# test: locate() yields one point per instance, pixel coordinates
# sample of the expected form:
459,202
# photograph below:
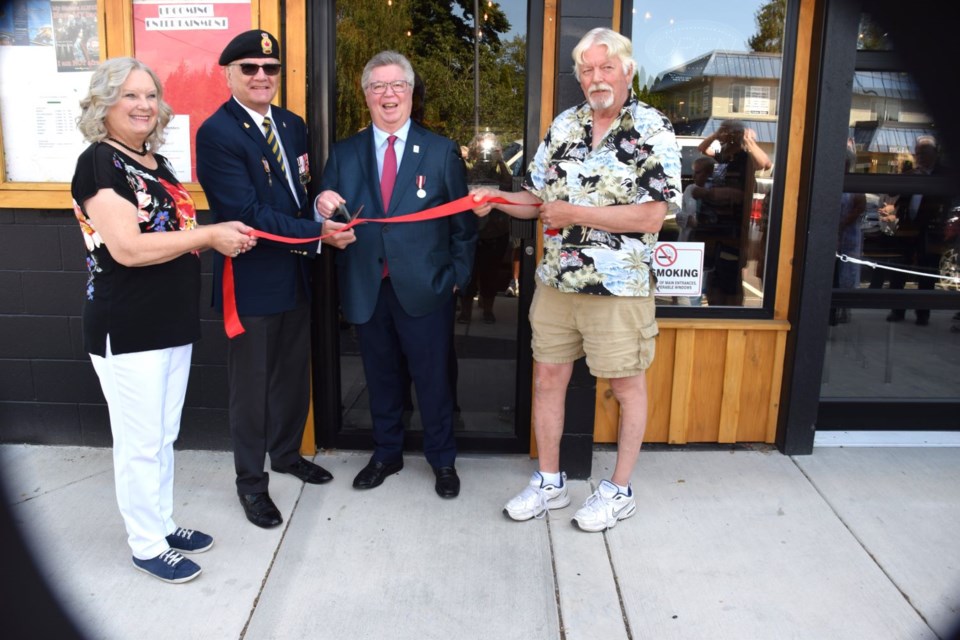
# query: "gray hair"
617,46
384,59
104,92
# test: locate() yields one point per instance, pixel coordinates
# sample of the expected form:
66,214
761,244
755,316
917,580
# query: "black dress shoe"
260,509
373,474
448,483
306,471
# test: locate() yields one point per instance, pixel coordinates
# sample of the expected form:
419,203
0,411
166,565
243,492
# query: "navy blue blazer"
426,259
243,181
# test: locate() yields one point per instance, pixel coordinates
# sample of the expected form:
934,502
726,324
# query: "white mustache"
600,86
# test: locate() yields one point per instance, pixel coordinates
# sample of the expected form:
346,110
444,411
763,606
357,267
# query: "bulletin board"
49,49
48,53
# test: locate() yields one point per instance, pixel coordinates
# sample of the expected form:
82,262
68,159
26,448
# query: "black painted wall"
575,18
49,392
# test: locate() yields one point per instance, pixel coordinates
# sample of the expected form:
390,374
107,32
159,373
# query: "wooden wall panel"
295,57
732,386
706,400
758,368
716,382
796,157
753,369
659,388
606,413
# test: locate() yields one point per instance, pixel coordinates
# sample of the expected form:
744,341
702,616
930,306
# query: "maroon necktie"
389,176
387,179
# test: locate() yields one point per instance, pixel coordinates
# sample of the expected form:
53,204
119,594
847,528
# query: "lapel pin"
246,126
416,149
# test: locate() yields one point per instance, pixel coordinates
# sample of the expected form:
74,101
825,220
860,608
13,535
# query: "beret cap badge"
252,44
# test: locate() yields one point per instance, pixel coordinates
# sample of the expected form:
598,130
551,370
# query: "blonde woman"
141,314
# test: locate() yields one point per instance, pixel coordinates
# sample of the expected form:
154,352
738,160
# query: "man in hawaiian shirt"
603,179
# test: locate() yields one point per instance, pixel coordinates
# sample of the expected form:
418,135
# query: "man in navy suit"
253,165
397,283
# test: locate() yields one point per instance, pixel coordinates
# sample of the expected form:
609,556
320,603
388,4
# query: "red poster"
181,42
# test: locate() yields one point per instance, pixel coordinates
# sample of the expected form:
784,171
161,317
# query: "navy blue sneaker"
169,566
189,541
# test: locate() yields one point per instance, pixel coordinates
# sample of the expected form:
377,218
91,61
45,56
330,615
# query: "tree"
770,20
438,38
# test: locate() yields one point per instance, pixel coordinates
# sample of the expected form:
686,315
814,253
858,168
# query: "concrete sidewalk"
742,544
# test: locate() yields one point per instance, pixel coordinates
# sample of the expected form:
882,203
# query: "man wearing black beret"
253,165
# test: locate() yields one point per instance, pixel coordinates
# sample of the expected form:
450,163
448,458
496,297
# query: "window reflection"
872,36
898,239
717,78
913,236
887,117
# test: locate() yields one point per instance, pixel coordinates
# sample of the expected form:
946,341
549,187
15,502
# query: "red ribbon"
231,318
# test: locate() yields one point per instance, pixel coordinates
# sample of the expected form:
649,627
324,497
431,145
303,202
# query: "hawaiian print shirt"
638,161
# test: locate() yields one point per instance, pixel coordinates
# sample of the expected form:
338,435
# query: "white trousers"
145,393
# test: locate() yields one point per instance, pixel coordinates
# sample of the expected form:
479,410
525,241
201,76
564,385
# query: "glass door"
892,356
471,86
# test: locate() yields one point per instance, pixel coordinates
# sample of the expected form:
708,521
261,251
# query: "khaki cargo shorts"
617,334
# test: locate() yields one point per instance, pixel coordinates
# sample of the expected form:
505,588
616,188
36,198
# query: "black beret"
255,43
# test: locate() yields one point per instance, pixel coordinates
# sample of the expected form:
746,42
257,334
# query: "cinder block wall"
49,392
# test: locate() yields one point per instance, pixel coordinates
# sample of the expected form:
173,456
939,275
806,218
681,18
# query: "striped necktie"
274,144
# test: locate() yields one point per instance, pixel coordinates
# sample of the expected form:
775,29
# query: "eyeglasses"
250,68
398,86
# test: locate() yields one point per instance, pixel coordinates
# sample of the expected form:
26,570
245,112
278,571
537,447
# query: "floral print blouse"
638,161
140,308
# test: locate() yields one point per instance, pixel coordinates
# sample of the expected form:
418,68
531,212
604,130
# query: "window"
724,84
750,99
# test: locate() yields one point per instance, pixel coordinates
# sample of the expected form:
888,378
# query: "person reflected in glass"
913,226
846,274
141,312
688,218
725,207
485,166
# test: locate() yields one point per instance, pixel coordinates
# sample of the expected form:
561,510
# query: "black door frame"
325,337
834,59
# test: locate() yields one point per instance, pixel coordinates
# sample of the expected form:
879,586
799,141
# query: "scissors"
342,215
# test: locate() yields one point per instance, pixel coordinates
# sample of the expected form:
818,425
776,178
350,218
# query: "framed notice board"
50,48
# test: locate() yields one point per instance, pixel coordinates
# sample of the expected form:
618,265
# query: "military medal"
303,168
421,180
266,168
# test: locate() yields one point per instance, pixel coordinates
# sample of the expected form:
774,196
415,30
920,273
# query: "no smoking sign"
678,267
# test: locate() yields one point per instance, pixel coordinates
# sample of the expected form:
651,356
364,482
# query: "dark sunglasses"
250,69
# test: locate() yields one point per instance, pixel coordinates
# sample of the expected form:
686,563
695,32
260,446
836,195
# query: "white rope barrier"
875,265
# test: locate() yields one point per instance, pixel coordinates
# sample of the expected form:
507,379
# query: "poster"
26,23
181,42
75,34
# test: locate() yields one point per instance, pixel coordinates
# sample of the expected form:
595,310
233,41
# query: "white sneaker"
536,498
604,508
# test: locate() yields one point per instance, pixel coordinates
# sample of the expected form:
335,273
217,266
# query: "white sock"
552,478
624,490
